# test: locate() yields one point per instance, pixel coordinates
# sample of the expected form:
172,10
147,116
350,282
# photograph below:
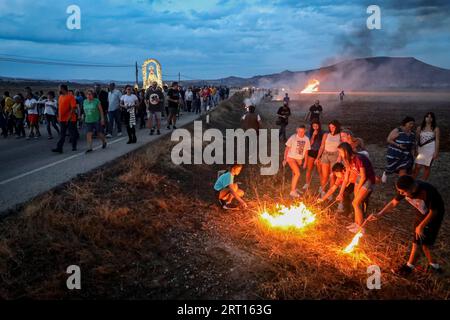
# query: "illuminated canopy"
151,71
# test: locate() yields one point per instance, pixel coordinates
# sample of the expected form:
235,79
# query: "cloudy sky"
209,39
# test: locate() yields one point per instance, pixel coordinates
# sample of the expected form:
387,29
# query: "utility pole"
179,77
137,83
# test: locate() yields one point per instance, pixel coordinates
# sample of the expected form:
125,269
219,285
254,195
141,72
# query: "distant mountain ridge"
358,74
374,73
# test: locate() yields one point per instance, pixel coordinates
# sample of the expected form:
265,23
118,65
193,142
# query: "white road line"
82,153
54,164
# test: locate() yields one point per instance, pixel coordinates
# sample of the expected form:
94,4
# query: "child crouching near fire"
430,213
227,189
338,170
358,170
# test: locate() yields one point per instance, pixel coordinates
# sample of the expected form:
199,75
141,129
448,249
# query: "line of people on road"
101,112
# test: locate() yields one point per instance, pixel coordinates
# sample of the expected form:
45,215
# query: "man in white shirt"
189,97
114,114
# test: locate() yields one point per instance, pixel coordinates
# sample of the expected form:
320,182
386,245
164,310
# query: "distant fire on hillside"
312,86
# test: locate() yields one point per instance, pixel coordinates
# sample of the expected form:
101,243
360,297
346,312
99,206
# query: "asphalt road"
29,168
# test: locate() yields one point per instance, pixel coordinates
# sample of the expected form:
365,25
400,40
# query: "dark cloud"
402,23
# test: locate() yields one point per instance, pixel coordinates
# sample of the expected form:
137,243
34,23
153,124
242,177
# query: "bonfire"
295,216
312,86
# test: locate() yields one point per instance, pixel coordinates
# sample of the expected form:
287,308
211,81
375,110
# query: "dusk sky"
210,39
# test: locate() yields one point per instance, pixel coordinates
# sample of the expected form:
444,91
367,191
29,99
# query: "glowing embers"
295,216
354,242
312,86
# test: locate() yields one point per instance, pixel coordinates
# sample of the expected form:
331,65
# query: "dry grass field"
143,228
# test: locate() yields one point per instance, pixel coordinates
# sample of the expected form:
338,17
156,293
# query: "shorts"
173,111
368,185
90,127
329,157
430,231
33,118
313,153
223,193
154,115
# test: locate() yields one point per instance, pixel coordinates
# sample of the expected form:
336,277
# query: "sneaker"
50,138
88,151
109,135
158,132
340,207
168,127
129,142
119,134
174,128
36,137
57,150
434,270
152,132
104,145
384,177
305,187
294,194
403,271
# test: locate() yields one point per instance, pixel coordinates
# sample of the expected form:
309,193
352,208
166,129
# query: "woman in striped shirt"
401,145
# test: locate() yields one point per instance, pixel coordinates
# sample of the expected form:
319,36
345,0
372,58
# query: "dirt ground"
144,228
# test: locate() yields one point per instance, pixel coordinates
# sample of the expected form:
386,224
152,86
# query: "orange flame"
312,86
296,216
354,242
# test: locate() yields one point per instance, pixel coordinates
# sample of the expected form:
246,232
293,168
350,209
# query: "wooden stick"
329,206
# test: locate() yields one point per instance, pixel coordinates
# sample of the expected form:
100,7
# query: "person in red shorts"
33,116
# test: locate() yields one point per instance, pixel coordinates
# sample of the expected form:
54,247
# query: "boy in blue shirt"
227,189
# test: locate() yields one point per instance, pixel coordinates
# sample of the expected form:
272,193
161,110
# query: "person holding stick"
430,213
359,170
339,172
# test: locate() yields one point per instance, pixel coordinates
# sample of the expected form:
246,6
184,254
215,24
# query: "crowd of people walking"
101,112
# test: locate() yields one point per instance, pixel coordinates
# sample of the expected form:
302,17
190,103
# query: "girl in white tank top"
332,143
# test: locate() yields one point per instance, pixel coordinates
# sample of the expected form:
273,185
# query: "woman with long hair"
359,170
328,153
315,136
401,143
428,136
